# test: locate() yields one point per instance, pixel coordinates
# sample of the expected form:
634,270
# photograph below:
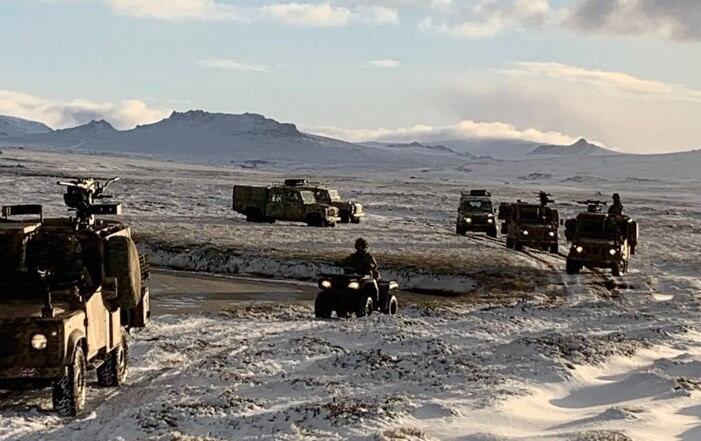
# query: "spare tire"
123,263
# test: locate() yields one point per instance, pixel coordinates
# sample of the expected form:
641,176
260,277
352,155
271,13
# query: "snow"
525,353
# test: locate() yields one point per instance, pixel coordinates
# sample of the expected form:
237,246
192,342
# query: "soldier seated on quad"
361,261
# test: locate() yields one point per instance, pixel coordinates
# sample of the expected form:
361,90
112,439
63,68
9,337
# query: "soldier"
362,261
616,209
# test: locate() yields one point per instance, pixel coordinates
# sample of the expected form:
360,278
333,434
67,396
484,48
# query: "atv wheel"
554,248
113,372
572,267
365,307
69,391
393,306
322,306
341,313
616,270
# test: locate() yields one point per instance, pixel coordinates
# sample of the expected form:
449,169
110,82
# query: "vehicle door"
276,204
294,209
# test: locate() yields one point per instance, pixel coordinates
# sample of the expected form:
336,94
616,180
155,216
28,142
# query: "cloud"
307,14
384,64
674,19
485,18
622,110
466,129
233,65
178,10
61,114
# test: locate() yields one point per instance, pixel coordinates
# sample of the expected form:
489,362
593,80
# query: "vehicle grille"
16,351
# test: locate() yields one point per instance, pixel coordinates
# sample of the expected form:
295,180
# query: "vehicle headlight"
612,252
39,342
468,220
579,249
326,284
552,234
354,285
490,221
525,232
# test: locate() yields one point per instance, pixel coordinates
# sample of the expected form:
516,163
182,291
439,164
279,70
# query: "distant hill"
579,148
11,126
203,137
421,148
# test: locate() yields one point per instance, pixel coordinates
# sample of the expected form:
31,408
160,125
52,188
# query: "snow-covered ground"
528,353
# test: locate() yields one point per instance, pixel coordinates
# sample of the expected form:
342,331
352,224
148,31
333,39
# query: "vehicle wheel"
509,243
355,220
572,267
113,372
253,215
345,217
616,270
460,231
322,307
341,313
315,221
492,233
393,306
554,248
69,391
365,307
517,245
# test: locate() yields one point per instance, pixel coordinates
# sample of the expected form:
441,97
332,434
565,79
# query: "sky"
624,73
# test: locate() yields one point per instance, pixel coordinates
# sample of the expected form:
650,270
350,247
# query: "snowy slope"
495,148
11,126
203,137
580,148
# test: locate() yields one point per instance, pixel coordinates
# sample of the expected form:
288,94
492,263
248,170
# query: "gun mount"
81,195
593,206
545,198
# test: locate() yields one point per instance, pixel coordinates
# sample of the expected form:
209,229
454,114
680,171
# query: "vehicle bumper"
592,262
25,373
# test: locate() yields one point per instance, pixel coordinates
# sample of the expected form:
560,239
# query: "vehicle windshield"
530,215
327,196
16,285
334,196
307,197
595,229
479,206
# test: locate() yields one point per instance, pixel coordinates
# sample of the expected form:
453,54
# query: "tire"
572,267
345,217
554,248
315,221
355,220
69,391
517,245
254,215
113,372
459,230
393,306
509,243
322,306
492,233
123,263
616,270
365,307
341,313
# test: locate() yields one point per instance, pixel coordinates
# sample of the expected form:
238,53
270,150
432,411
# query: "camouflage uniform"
616,209
363,263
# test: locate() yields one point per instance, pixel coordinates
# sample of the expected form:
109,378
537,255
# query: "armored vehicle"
531,225
476,214
284,203
600,240
348,211
70,289
352,293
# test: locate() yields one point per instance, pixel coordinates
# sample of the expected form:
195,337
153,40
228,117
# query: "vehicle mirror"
109,288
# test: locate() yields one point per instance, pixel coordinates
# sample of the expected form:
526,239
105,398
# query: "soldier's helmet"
361,244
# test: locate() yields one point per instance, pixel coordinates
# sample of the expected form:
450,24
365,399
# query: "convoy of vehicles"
71,289
476,214
531,225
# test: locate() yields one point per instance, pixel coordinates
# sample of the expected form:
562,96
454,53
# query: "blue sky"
626,73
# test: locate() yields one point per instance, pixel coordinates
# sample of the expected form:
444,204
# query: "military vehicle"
348,211
284,203
70,289
531,225
475,213
600,240
350,293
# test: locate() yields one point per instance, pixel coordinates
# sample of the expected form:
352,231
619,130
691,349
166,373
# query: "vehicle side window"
276,197
292,196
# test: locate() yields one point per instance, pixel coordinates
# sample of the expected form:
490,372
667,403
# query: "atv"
351,293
